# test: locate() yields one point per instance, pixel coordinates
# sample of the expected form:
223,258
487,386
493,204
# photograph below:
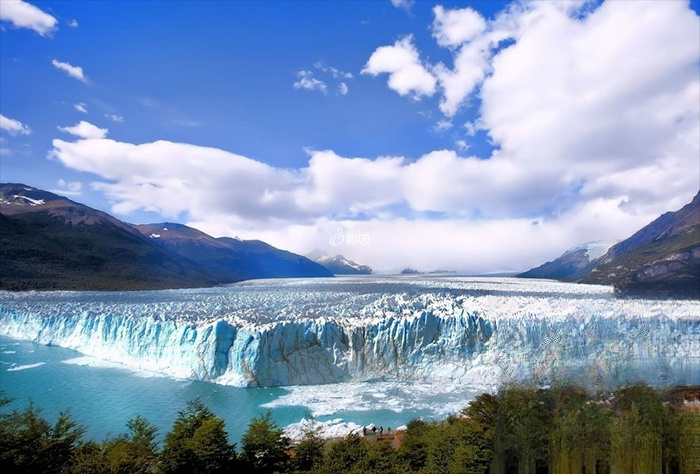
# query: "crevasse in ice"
299,332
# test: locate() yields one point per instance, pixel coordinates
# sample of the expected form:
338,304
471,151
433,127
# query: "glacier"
455,330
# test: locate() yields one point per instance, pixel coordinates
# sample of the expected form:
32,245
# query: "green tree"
414,447
89,458
522,428
198,443
381,458
265,447
136,452
344,456
29,443
309,451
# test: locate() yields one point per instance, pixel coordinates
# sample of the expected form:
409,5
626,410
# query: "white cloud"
81,107
73,23
73,71
442,125
454,27
25,15
226,194
309,82
405,4
335,72
85,129
608,112
338,74
407,76
68,188
470,67
114,118
13,127
595,131
343,88
472,128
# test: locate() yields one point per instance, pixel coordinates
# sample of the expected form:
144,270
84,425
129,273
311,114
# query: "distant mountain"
339,265
663,256
409,271
50,242
231,259
572,265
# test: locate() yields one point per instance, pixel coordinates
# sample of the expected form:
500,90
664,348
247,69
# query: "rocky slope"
572,265
662,257
50,242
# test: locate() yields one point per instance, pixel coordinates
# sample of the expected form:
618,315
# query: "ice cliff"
298,332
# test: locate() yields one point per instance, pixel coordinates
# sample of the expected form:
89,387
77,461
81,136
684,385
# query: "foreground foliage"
563,430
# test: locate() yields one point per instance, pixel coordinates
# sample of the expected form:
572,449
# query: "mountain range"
48,241
339,265
663,257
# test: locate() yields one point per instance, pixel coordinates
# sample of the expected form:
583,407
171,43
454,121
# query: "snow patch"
32,202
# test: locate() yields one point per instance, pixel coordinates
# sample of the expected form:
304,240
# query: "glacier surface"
456,330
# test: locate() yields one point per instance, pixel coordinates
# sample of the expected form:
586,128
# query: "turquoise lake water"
104,396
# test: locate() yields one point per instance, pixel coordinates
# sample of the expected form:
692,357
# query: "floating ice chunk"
335,428
87,361
25,367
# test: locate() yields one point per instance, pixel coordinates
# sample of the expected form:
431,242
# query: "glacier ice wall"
473,331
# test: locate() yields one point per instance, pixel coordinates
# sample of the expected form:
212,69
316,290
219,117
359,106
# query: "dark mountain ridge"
663,257
228,258
48,241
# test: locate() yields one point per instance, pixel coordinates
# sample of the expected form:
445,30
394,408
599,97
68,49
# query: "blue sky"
446,132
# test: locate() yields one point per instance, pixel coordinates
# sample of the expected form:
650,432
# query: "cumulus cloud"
486,203
81,107
454,27
85,129
25,15
594,129
73,71
407,75
114,118
73,23
608,112
343,88
306,80
13,127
